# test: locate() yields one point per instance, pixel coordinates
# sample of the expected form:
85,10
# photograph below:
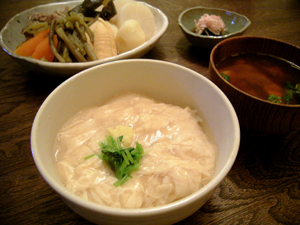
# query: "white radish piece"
104,41
139,12
130,35
118,5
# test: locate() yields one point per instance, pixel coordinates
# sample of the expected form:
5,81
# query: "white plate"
11,37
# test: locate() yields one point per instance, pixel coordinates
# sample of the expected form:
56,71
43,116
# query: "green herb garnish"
225,76
274,98
121,160
291,93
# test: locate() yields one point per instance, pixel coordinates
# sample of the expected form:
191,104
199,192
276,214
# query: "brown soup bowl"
256,115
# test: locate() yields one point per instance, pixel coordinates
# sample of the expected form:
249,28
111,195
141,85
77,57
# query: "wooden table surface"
263,186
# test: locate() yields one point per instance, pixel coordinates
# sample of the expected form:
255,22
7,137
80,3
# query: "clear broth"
260,75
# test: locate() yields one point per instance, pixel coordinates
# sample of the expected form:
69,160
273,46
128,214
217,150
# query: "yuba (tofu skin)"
179,158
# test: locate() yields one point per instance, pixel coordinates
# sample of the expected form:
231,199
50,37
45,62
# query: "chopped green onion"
225,76
121,161
291,93
288,85
274,98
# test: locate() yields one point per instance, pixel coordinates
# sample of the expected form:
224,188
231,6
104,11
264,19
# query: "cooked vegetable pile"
85,33
72,31
121,160
63,36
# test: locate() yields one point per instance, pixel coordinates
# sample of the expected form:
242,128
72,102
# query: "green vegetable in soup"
121,160
225,76
274,98
292,92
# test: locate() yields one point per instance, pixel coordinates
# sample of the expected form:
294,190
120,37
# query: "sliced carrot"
27,48
43,49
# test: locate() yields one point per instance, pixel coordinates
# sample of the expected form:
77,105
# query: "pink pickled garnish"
211,22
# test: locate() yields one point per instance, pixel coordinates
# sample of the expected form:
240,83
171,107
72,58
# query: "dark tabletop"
263,187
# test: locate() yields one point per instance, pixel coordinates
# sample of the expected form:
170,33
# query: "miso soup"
263,76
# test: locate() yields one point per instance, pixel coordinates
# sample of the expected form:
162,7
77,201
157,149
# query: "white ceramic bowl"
11,37
170,83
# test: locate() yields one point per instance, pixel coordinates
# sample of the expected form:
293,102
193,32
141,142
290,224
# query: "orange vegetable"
27,48
43,49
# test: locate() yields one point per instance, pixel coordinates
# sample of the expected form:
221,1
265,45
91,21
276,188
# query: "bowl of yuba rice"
135,141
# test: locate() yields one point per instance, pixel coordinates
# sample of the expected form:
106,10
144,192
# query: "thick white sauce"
179,161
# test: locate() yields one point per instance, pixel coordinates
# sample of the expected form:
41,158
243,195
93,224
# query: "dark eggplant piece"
88,7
